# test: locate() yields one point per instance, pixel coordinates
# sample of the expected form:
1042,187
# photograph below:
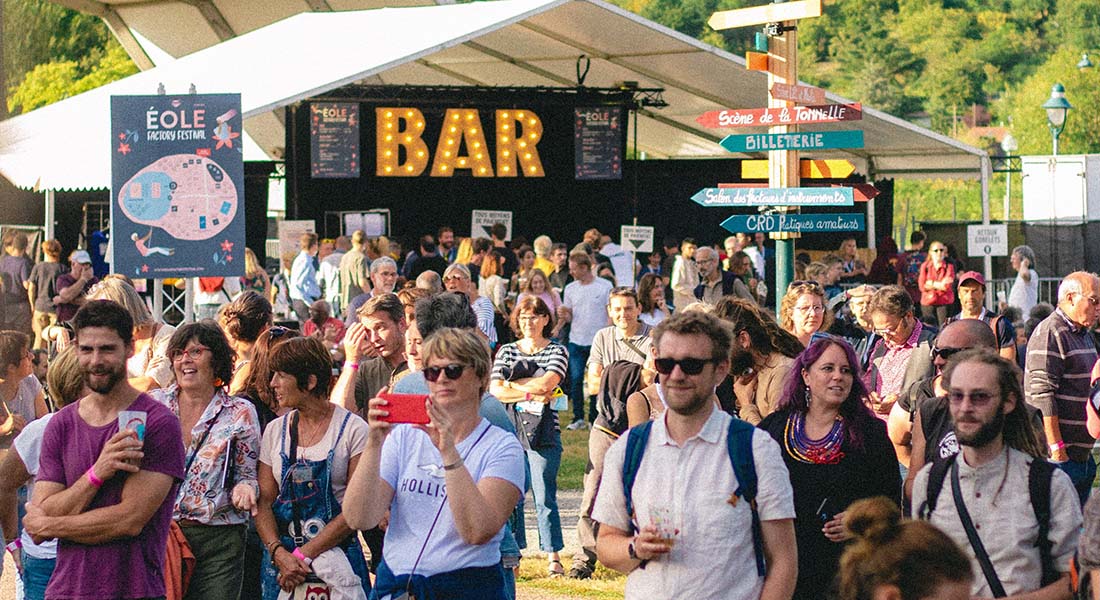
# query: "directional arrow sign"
810,169
768,13
769,223
861,192
767,117
814,140
800,196
802,94
636,238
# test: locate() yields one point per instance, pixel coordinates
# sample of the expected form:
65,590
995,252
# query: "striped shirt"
553,359
1060,357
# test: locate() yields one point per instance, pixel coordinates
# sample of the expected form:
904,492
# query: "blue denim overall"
307,485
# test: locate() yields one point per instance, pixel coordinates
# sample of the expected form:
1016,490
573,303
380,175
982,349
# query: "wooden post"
783,165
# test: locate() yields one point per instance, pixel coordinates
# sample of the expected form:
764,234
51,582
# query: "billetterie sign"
815,140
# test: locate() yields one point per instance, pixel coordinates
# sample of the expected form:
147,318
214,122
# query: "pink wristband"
301,556
353,366
92,479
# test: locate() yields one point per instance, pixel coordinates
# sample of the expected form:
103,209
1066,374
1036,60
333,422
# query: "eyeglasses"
453,372
690,366
193,353
814,308
891,329
529,318
978,397
946,353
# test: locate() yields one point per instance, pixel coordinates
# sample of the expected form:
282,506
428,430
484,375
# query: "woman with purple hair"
836,451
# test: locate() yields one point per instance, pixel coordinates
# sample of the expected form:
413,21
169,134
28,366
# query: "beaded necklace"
825,451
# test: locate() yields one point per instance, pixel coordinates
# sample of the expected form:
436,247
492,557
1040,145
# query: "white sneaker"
578,424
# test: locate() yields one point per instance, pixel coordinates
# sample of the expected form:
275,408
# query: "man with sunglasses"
686,533
920,418
985,497
1060,356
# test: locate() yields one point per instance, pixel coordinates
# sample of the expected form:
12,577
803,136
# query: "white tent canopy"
66,146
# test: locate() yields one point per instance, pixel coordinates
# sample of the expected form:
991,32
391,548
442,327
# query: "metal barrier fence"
1048,290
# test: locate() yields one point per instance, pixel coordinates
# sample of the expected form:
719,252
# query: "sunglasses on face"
453,372
277,332
978,397
809,284
690,366
946,353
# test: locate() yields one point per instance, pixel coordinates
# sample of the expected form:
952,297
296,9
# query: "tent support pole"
51,203
987,261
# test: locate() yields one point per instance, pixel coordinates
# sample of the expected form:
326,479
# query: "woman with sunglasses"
440,542
222,439
937,285
307,458
802,311
457,279
836,452
525,375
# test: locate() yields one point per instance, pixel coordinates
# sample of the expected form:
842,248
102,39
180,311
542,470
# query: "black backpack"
1039,476
619,380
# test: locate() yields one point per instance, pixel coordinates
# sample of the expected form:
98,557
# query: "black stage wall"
657,192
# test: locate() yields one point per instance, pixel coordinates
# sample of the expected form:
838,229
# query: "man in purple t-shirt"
107,491
70,287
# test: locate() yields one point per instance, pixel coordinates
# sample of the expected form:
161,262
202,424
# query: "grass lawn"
534,583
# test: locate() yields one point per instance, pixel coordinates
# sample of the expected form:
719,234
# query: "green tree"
1022,106
53,81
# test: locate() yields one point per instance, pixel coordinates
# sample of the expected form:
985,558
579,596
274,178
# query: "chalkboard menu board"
334,138
598,142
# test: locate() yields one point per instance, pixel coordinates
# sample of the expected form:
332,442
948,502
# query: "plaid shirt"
890,372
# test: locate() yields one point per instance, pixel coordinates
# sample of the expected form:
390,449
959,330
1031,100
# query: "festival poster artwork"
334,140
598,143
177,186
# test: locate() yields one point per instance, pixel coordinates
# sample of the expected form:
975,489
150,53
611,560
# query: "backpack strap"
739,445
636,440
1039,477
936,477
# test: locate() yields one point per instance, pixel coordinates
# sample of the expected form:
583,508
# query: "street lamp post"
1057,108
1010,147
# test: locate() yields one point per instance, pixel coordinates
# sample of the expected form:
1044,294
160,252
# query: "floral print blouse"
204,496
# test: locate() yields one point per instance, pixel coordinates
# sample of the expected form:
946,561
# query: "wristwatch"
630,550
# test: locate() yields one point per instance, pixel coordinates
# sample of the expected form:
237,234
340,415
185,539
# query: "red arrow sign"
861,192
802,94
766,117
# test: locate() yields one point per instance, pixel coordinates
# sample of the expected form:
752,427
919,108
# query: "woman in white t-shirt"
449,486
35,562
307,457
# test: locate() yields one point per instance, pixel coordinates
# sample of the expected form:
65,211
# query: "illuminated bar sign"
402,151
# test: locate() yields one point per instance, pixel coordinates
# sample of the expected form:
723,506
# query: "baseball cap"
80,256
971,276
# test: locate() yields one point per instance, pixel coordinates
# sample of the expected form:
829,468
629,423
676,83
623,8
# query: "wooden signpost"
800,196
766,117
768,13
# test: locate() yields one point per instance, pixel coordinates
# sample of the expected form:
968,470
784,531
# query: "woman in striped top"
524,377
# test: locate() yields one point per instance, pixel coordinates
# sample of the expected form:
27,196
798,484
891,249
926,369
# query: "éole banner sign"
177,186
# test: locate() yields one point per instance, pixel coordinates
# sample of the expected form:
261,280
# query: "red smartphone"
406,408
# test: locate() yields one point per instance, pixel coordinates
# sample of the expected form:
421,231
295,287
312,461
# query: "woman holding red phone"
449,486
524,377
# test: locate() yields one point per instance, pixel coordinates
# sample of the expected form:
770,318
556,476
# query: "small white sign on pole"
482,221
636,238
987,240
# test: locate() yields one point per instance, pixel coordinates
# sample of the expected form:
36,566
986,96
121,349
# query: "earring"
218,382
809,398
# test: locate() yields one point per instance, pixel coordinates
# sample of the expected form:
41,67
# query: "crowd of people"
367,423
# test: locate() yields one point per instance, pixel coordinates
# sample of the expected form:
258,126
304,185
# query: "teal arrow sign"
810,140
817,196
794,223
